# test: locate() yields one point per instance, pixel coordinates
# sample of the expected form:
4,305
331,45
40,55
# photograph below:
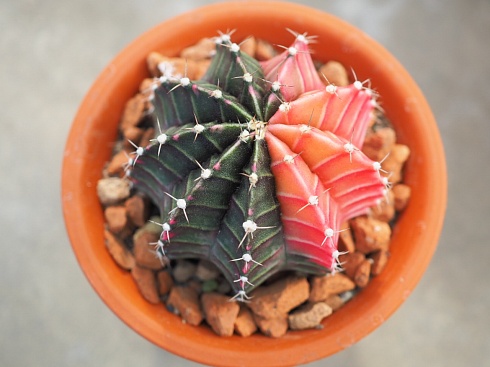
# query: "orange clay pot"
415,236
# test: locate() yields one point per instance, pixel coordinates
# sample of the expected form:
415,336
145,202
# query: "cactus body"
256,166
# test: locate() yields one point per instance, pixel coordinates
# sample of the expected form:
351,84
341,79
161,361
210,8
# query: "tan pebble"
361,278
395,161
180,67
137,209
147,135
183,271
380,259
323,287
220,313
146,89
146,282
350,262
249,46
152,61
204,49
346,242
144,252
146,86
274,327
244,323
153,227
185,300
119,252
333,72
385,210
206,270
401,193
277,299
133,112
159,64
112,190
400,152
370,234
335,302
116,219
378,144
309,316
116,165
264,50
165,282
200,68
133,134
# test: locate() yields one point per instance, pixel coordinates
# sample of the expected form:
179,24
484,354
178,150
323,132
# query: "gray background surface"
50,53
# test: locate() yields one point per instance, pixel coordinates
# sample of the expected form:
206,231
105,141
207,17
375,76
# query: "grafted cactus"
256,166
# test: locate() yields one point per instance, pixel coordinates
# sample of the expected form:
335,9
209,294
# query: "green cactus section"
209,172
252,227
164,165
240,75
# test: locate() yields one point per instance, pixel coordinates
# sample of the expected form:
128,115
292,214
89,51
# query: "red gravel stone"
264,50
165,282
401,195
146,282
378,144
277,299
144,253
116,165
205,48
350,262
323,287
117,220
309,316
370,234
273,327
220,313
395,161
137,209
346,242
385,210
134,134
334,301
244,323
185,300
380,259
335,73
119,252
361,278
133,112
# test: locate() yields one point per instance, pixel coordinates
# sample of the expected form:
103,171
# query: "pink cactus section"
309,213
314,140
350,176
293,70
345,111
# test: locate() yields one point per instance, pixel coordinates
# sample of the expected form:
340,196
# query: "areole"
415,236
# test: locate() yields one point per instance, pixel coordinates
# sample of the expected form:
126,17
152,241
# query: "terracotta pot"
414,239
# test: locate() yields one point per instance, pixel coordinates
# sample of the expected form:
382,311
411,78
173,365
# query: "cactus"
256,166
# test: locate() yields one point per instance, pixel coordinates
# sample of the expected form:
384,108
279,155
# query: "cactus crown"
255,166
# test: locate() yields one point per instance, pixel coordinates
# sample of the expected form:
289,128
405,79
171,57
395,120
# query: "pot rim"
420,223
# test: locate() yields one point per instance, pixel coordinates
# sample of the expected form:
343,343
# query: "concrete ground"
51,51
